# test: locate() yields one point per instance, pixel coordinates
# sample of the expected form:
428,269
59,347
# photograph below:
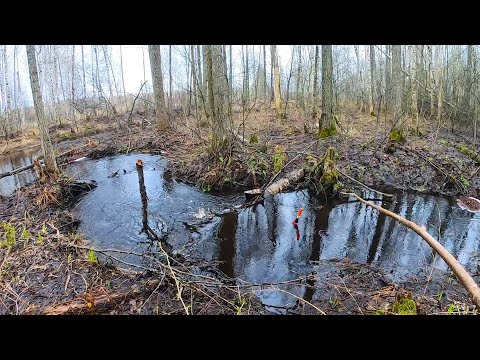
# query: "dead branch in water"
15,171
462,275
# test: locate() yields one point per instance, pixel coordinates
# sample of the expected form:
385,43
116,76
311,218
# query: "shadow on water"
12,161
259,244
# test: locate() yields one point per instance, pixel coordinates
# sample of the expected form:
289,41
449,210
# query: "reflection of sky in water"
258,244
13,161
266,249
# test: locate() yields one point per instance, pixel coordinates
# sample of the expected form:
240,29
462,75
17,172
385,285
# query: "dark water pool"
12,161
258,244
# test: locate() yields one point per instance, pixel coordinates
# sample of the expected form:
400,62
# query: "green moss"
253,139
10,235
466,151
396,135
67,136
405,306
330,174
279,158
326,132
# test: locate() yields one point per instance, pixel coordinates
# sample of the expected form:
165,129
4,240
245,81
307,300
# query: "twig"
349,293
175,279
133,105
362,184
462,275
300,299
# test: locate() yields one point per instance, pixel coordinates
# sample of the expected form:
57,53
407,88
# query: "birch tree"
49,156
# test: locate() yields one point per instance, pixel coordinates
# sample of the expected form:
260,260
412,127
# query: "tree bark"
396,82
49,155
157,79
277,85
326,119
218,96
315,84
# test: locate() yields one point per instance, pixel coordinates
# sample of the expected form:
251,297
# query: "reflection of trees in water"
402,250
341,219
226,235
259,259
13,161
372,251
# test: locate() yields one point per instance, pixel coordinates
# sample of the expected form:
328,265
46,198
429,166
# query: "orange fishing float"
295,223
299,212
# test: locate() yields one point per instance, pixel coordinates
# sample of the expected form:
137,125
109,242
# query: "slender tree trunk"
231,74
157,79
83,76
467,97
414,86
326,119
298,77
372,78
396,82
205,78
315,84
73,89
388,85
123,79
264,93
277,87
170,77
49,155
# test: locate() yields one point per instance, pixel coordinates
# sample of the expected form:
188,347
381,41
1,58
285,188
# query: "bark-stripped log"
462,275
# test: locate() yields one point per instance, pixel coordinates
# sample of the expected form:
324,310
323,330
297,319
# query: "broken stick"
462,275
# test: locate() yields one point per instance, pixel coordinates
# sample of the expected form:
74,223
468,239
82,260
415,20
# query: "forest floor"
49,269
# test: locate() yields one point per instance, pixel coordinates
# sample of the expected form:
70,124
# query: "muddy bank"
41,263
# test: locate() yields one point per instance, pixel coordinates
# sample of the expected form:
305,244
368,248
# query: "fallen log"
250,194
15,171
99,302
278,186
462,275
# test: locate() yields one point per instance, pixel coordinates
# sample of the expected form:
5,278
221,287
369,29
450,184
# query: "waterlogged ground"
258,244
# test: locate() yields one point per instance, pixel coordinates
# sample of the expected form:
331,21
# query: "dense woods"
256,120
416,85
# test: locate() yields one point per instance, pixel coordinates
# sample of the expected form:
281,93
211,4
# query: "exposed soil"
48,267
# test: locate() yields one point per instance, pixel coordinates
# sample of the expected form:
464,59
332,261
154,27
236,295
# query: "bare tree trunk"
231,74
264,93
467,97
315,84
372,78
326,119
298,77
123,79
388,82
277,86
73,89
49,155
218,96
170,80
157,79
205,88
396,82
414,86
83,76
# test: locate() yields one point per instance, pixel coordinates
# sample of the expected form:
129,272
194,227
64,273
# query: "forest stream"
258,244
